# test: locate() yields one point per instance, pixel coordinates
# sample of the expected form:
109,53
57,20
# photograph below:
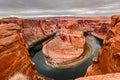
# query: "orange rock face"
97,25
108,60
110,76
66,47
14,56
33,30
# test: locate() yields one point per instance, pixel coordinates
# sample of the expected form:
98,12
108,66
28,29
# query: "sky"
51,8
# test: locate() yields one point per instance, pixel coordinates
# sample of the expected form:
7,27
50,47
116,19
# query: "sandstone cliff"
97,25
33,30
14,56
12,43
109,55
110,76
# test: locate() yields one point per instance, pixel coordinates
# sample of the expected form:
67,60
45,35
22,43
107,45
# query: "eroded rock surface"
36,29
110,76
14,56
33,30
66,47
108,60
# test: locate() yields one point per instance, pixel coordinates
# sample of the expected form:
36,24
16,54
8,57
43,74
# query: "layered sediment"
66,47
109,55
13,48
14,56
34,30
110,76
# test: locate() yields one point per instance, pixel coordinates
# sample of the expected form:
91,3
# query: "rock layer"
109,55
66,47
33,30
110,76
36,29
14,56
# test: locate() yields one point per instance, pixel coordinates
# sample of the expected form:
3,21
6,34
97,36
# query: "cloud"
26,8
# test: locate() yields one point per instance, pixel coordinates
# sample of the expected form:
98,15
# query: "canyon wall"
110,76
14,56
13,50
108,60
36,29
33,30
97,25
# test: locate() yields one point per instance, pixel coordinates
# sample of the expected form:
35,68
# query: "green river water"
67,73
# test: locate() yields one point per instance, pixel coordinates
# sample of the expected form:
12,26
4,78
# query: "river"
67,73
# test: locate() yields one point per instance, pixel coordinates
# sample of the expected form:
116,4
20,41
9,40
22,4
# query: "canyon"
32,30
108,57
17,35
35,29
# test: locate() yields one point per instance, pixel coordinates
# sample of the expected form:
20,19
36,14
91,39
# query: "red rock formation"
101,31
14,20
39,28
111,76
14,56
98,25
33,30
109,55
48,27
66,47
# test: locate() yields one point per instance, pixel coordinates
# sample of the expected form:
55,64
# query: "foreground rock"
108,60
14,56
110,76
66,47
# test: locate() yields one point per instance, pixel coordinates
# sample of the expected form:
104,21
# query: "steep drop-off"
14,56
110,76
33,30
108,60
